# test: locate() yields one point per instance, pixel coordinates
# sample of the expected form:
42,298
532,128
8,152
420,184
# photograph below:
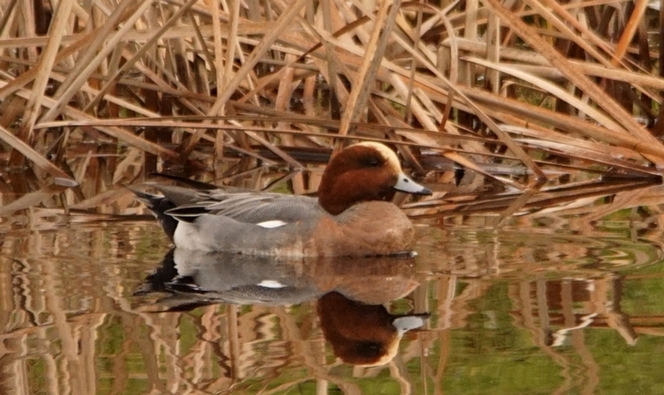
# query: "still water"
94,307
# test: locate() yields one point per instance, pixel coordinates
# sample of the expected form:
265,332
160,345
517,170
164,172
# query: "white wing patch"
271,284
275,223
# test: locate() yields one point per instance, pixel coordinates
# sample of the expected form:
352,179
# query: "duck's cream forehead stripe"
385,152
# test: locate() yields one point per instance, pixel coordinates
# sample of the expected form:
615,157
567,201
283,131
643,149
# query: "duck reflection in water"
362,334
350,293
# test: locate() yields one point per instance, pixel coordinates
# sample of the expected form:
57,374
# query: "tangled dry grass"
543,102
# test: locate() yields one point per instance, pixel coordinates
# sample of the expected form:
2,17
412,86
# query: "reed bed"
527,105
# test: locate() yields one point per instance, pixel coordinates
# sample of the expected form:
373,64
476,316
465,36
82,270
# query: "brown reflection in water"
360,330
59,291
561,286
71,325
362,334
555,312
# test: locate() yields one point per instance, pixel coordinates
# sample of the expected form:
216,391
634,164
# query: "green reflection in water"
511,314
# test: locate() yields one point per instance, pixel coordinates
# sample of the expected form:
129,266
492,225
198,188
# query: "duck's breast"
365,229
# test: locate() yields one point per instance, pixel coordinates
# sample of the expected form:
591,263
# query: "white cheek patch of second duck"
352,215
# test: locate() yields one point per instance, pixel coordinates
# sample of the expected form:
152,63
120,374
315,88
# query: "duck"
351,216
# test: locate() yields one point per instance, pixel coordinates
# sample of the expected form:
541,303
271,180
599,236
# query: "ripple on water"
513,310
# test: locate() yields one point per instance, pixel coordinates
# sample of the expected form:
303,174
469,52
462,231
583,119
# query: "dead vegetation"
528,104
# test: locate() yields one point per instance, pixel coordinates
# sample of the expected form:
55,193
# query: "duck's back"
257,208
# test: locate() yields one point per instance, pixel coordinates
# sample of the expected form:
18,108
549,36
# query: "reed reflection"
511,313
351,294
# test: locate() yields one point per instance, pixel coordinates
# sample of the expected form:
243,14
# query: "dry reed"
526,97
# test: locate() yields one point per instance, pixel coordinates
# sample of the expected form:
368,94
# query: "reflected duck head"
360,334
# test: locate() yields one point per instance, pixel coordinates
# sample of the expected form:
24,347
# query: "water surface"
544,309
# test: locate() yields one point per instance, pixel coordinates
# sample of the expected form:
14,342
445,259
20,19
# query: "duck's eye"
372,162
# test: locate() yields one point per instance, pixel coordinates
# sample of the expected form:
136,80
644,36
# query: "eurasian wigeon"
352,215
